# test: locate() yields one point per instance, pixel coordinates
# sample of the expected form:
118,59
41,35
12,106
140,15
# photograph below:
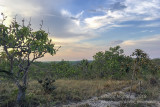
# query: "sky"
84,27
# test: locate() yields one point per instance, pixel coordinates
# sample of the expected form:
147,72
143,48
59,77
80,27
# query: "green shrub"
47,85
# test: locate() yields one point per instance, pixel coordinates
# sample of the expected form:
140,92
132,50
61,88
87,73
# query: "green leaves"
22,47
111,62
23,38
20,43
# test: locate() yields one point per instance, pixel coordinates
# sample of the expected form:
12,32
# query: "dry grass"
84,89
66,91
149,91
70,91
152,92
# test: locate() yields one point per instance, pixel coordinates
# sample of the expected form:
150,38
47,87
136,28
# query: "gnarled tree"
22,47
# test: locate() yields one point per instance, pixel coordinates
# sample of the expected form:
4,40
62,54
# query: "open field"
79,53
66,91
109,81
149,96
74,91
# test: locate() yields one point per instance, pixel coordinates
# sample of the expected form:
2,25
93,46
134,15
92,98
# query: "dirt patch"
117,99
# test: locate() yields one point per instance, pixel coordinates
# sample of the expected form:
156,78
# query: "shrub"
47,85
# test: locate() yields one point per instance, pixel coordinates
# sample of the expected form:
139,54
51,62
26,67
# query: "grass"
70,91
77,90
148,91
137,105
66,91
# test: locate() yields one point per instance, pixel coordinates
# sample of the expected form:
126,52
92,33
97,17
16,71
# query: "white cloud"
151,25
22,7
134,10
79,14
100,21
63,24
148,40
66,13
142,6
70,29
69,14
75,51
147,31
75,18
149,44
78,51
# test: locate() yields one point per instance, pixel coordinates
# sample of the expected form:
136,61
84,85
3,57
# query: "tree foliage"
112,63
21,47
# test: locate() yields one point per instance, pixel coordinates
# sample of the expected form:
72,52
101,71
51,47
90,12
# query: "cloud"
118,6
61,23
143,31
24,8
150,25
76,18
149,44
66,29
70,30
111,6
116,42
70,15
149,41
101,21
127,10
75,51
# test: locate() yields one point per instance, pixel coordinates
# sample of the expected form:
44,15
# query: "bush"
47,85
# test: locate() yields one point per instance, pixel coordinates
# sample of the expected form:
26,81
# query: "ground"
84,93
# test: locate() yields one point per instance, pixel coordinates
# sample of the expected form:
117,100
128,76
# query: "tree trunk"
22,91
133,75
21,95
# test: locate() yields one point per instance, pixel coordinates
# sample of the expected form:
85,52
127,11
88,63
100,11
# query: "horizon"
84,28
73,60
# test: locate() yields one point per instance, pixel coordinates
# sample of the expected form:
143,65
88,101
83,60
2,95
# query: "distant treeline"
109,64
112,63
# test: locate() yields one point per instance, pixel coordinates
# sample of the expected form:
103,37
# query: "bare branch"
41,25
4,17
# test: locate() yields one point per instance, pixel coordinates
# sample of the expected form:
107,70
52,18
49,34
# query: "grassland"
110,71
74,91
66,91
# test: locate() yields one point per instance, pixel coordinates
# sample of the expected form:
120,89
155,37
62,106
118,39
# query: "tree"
112,62
84,66
141,59
99,62
22,47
